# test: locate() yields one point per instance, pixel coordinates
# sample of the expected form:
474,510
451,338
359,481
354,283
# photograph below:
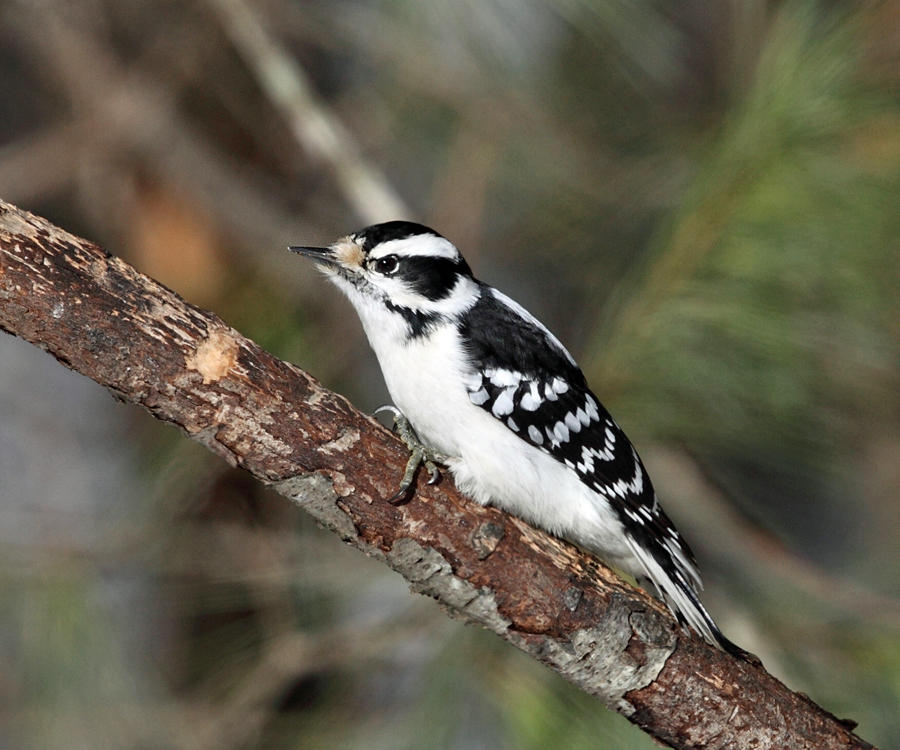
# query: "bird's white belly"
501,469
491,463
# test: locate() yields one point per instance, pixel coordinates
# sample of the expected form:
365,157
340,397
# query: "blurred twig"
316,129
126,112
289,659
728,535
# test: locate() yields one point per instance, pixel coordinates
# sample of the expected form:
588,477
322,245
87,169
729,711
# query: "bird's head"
398,267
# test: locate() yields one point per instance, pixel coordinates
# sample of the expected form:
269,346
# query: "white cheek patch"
396,290
463,295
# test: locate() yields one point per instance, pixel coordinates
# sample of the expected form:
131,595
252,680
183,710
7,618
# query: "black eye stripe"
431,277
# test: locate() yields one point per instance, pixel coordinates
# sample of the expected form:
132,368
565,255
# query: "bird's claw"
434,473
392,409
419,454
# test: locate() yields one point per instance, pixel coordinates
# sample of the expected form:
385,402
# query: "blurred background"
700,199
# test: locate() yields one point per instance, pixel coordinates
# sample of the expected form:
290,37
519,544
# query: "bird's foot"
419,454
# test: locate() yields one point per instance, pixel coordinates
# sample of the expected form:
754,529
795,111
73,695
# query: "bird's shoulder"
498,333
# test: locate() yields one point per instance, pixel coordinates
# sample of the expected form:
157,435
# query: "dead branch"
100,317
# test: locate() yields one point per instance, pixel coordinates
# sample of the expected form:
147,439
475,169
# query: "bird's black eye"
386,265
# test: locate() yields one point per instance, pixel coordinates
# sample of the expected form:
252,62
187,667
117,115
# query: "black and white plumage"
485,384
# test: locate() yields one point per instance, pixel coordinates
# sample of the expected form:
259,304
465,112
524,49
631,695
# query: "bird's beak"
321,254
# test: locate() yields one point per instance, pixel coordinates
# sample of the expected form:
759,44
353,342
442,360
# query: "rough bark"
100,317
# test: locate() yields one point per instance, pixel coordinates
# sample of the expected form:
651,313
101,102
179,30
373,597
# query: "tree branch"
100,317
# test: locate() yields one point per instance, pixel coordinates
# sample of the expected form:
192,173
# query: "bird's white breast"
426,379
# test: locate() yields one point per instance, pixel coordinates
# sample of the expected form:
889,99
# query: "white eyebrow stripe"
420,245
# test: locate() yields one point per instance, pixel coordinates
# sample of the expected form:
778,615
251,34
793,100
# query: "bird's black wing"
525,378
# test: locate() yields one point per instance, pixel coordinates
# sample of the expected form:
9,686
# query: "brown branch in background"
100,317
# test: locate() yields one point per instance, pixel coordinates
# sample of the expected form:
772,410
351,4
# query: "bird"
482,387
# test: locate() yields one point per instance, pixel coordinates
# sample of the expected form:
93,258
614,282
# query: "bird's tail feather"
678,589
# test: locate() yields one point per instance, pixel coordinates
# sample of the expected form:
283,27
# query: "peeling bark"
100,317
